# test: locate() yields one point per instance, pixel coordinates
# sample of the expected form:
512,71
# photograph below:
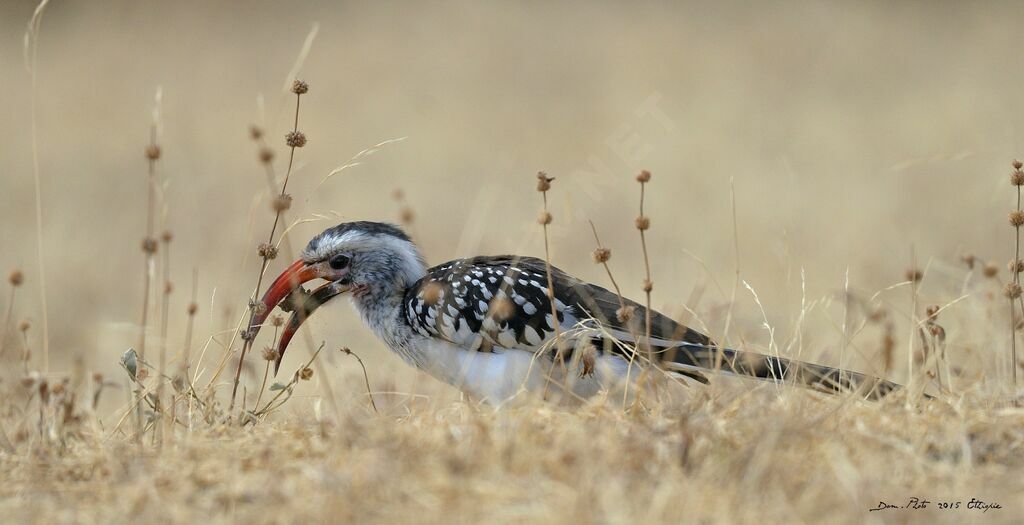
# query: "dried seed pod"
642,223
625,314
266,155
990,270
193,308
306,373
543,181
167,236
277,320
255,132
644,177
149,245
295,139
1017,178
601,255
1012,290
648,285
16,278
501,309
1015,266
1016,218
913,275
270,354
1017,165
281,203
300,87
267,251
544,218
152,152
969,259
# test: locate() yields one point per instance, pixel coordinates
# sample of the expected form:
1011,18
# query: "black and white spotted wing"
502,301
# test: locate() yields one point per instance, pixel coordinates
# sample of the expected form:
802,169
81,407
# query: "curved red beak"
289,284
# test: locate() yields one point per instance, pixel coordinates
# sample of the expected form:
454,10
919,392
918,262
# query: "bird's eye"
339,262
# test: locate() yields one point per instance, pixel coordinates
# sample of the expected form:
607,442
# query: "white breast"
501,375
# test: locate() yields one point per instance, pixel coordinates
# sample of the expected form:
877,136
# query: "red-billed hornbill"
485,324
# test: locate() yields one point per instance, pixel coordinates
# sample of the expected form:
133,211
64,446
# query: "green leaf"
130,362
278,386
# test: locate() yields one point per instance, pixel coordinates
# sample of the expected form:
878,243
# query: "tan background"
854,134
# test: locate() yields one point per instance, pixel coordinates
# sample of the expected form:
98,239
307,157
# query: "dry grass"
826,183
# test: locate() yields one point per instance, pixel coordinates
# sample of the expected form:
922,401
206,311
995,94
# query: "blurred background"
846,141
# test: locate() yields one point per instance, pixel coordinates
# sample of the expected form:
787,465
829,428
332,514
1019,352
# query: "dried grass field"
831,181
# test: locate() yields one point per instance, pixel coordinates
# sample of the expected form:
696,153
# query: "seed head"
257,307
167,236
300,87
969,259
295,139
306,373
648,285
990,270
193,308
432,293
152,152
1012,290
1016,218
141,374
1015,266
913,275
1017,178
266,155
270,354
267,251
544,218
643,223
543,181
501,309
281,203
406,215
277,320
601,255
15,277
625,314
168,288
932,312
644,177
24,325
1017,165
149,245
255,132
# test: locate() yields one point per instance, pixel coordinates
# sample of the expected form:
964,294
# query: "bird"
497,326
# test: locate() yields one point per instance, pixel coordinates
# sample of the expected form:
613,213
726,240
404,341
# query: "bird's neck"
381,310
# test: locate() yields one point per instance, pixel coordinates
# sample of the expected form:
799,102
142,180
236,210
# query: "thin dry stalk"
366,377
166,237
15,279
643,223
30,48
1016,220
149,248
295,139
543,185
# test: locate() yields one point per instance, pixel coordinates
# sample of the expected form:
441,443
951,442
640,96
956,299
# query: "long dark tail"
689,358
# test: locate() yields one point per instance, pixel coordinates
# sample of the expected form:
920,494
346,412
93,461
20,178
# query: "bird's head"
372,260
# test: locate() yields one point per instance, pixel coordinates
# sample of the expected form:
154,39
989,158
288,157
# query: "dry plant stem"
32,40
1016,279
247,345
148,261
647,287
622,307
366,378
287,388
7,322
559,354
164,311
266,374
